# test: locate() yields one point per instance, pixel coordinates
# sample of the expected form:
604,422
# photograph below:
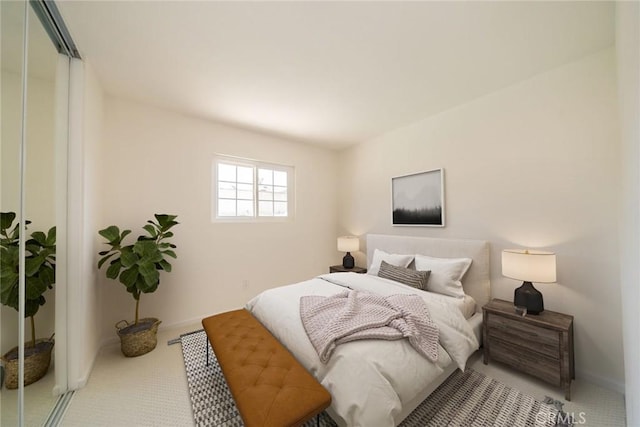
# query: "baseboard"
82,381
109,341
196,321
607,383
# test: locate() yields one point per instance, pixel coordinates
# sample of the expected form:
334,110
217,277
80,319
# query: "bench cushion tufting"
268,384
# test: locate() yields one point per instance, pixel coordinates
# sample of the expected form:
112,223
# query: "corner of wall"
628,62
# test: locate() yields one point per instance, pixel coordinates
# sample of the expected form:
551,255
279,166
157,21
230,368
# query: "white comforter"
369,380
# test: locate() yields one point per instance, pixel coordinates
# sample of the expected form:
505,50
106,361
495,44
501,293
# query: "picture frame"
418,199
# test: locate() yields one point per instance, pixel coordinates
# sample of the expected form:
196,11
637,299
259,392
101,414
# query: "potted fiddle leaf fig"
40,275
137,266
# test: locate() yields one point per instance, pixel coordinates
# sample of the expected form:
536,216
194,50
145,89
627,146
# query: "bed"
397,378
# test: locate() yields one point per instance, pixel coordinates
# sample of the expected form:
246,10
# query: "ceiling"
331,73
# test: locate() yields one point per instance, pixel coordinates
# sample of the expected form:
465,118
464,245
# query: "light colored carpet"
152,390
149,390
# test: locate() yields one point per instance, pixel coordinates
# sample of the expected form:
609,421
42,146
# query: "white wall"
39,180
10,181
91,304
84,305
156,161
40,191
534,165
628,56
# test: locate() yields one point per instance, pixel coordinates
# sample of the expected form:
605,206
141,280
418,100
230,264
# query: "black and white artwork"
418,199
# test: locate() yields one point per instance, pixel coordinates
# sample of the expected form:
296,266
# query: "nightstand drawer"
532,337
540,345
545,368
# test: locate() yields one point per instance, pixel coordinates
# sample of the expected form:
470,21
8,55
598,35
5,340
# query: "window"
249,190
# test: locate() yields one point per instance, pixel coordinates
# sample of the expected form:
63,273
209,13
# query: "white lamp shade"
348,243
529,266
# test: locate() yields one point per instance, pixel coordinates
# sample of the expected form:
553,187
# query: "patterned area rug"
464,399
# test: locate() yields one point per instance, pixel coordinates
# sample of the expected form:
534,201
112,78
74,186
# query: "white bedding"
466,305
371,380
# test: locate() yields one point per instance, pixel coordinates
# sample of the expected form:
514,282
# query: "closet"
33,158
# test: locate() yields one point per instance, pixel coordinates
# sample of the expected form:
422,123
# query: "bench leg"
206,343
318,420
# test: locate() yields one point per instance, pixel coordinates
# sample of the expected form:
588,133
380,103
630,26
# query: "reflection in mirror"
39,202
12,32
40,209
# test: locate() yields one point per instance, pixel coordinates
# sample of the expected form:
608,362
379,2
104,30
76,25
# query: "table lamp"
348,244
529,266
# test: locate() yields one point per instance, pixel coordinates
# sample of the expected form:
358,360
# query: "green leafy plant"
137,266
40,267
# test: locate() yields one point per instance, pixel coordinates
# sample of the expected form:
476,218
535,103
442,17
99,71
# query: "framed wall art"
418,199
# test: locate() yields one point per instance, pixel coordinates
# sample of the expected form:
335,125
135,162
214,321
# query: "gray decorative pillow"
407,276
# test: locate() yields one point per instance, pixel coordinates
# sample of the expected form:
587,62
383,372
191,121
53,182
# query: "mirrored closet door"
33,130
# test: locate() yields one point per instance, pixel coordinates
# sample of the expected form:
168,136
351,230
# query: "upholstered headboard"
476,282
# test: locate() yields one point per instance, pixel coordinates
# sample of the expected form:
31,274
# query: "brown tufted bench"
268,384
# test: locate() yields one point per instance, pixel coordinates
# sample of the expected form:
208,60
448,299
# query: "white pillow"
446,274
393,259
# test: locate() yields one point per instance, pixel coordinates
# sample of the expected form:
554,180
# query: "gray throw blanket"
355,315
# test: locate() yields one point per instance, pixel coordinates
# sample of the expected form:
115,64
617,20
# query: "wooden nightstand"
340,269
540,345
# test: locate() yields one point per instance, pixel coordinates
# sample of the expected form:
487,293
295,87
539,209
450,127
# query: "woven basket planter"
136,340
36,364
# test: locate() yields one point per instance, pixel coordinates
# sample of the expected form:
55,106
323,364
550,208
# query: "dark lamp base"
348,261
529,297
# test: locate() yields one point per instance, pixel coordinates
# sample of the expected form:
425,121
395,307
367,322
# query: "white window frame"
255,164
